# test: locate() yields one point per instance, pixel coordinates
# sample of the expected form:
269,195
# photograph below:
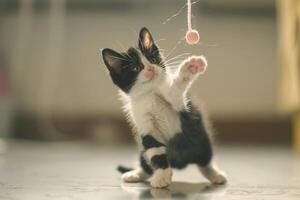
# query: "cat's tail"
123,169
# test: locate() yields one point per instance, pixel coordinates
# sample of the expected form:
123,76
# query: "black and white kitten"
170,129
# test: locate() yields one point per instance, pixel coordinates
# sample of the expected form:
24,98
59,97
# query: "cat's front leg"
174,89
135,175
189,70
139,174
155,152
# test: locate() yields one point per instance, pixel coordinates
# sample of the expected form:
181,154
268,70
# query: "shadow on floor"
182,190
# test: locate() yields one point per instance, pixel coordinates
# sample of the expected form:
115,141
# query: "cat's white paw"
213,174
161,178
133,176
196,64
219,179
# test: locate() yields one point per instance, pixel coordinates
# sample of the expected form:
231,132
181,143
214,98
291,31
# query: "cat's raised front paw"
196,64
161,178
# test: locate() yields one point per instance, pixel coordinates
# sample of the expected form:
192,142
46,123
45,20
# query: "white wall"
241,50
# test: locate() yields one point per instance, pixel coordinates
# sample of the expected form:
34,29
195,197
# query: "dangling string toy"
192,35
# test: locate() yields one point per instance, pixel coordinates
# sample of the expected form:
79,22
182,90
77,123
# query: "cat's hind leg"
205,161
197,142
139,174
213,174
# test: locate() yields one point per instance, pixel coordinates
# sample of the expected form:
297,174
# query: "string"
189,15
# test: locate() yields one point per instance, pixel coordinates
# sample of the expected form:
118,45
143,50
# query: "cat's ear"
113,60
146,41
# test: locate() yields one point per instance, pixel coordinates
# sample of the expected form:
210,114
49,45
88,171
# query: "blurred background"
54,86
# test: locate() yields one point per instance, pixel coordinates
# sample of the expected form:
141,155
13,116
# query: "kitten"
170,129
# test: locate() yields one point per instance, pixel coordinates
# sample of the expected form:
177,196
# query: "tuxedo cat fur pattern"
170,129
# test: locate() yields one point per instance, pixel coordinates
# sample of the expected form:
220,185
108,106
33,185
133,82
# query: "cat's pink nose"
150,68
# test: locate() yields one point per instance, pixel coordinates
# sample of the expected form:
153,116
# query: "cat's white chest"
153,115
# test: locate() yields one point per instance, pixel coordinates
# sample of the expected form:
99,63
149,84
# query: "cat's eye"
135,69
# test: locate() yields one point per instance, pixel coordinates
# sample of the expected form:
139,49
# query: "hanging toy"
192,35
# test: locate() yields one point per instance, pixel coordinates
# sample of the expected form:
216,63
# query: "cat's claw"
161,178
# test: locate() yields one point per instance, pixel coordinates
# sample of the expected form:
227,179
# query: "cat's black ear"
146,41
113,60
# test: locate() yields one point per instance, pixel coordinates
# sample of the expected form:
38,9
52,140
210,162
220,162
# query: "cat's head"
137,70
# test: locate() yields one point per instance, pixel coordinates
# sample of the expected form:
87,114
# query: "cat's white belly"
153,115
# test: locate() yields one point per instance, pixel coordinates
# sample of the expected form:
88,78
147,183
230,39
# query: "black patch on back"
193,144
149,142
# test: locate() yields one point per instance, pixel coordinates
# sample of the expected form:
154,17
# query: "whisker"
175,63
174,59
181,54
177,57
175,67
171,51
172,66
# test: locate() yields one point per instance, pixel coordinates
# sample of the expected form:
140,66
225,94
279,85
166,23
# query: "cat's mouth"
151,73
150,78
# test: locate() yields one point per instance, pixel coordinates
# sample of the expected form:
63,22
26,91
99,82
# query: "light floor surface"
80,170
